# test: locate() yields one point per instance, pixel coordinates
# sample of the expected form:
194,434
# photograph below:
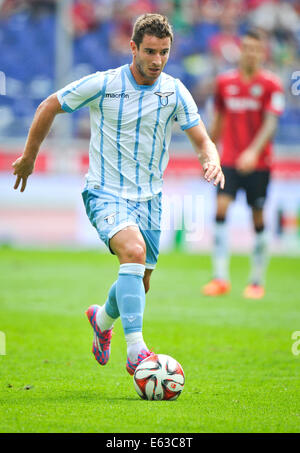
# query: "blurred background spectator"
45,44
207,36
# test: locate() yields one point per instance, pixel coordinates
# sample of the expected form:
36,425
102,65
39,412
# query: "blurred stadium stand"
206,42
207,34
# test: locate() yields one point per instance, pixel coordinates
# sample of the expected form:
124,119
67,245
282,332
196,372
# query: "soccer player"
132,109
248,101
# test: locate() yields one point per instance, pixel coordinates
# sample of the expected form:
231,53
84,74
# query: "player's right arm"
72,97
248,159
39,129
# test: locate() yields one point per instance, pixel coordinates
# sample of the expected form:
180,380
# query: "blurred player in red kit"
248,102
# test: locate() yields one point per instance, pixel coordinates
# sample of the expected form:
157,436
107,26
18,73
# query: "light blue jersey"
131,128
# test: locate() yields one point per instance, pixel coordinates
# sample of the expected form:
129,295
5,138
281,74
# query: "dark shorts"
255,185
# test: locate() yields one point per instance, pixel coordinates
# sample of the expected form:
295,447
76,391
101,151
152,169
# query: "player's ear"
133,47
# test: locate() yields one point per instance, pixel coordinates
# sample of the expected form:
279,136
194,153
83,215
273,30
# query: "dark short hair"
151,24
254,34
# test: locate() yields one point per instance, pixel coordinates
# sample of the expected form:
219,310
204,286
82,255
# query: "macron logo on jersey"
117,95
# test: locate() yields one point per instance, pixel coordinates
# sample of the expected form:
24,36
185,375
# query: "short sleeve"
80,93
187,111
275,101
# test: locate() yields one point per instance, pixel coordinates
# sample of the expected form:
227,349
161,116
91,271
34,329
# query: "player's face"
252,53
151,57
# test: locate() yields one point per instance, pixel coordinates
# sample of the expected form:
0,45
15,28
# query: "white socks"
103,320
134,340
135,343
259,258
220,256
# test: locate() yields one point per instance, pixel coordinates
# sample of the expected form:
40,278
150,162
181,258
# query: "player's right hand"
23,167
247,160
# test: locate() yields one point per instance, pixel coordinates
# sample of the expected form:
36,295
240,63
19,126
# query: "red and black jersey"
244,105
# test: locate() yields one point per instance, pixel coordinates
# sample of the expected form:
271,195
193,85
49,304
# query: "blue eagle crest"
164,97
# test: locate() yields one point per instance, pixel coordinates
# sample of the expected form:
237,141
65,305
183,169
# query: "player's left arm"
249,157
207,154
273,108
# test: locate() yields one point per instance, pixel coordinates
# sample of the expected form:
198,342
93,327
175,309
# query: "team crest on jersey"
110,219
164,97
256,90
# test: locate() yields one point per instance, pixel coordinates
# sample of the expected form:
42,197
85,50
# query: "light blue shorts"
110,214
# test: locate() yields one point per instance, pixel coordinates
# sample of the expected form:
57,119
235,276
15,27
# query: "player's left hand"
247,161
214,172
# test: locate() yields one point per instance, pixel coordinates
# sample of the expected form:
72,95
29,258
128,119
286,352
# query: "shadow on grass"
33,396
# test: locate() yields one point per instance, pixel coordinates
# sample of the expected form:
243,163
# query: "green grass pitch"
241,375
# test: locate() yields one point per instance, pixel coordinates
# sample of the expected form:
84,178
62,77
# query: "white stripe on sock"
132,268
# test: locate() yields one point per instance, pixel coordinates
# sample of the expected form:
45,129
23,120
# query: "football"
159,377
